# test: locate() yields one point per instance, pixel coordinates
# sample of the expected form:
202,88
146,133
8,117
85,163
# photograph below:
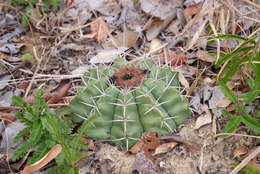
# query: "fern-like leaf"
232,124
251,123
22,134
42,150
31,142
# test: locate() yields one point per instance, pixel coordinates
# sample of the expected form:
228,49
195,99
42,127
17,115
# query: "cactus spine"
128,101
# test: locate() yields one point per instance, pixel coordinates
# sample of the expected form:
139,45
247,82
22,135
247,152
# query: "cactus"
129,100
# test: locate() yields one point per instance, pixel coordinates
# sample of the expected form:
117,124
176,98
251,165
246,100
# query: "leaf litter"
87,33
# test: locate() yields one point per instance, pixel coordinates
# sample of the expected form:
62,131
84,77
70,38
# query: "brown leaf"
53,97
155,45
224,102
126,39
55,150
183,80
62,92
203,120
100,28
3,56
165,147
192,10
30,99
149,141
7,117
241,150
137,147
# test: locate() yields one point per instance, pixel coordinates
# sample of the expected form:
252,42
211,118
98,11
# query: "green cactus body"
125,112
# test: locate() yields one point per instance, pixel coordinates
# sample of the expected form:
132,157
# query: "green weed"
35,8
247,54
44,130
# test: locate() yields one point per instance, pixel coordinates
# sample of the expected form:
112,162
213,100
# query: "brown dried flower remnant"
128,77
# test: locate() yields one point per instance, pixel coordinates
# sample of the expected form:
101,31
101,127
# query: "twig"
246,160
35,72
242,135
253,4
63,29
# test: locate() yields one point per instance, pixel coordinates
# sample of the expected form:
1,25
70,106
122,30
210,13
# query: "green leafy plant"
34,9
129,100
44,130
247,169
246,54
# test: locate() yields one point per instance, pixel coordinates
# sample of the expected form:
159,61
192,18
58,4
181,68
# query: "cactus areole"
129,100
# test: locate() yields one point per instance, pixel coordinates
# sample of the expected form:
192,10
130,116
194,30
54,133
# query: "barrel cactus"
128,100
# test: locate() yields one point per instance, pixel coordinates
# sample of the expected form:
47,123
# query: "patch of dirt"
215,155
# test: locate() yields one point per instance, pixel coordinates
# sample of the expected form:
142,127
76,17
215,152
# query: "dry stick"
246,160
196,35
242,135
253,4
214,31
55,150
35,72
194,84
197,17
231,6
63,29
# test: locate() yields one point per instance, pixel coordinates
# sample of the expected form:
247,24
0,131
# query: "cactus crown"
128,77
129,100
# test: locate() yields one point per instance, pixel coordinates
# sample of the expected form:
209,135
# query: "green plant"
128,100
34,9
44,130
247,169
246,55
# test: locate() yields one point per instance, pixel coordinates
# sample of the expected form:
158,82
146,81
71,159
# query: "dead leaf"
224,102
183,80
241,150
100,28
154,45
106,56
203,120
55,150
165,147
7,117
3,56
52,97
149,141
161,9
126,38
192,10
109,8
58,95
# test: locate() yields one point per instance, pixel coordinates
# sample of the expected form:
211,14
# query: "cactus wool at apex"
129,100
